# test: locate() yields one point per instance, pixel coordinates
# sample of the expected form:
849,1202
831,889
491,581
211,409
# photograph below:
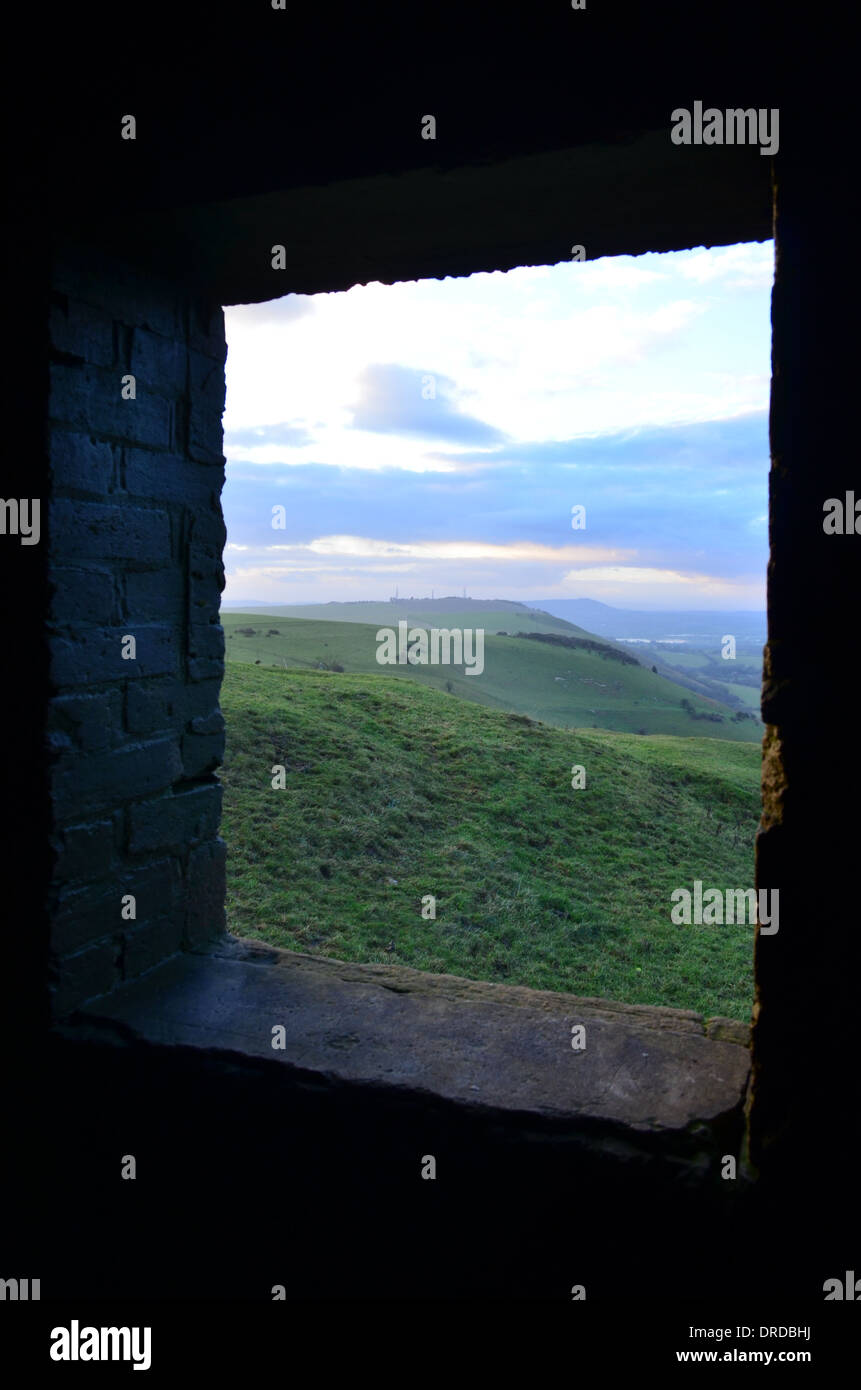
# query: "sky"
434,436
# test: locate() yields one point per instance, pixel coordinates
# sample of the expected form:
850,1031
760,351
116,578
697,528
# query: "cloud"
735,442
641,575
393,400
665,493
615,273
286,435
274,313
453,550
747,266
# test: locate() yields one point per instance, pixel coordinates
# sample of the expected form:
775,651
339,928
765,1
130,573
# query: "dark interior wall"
805,1020
249,1181
134,549
238,100
25,849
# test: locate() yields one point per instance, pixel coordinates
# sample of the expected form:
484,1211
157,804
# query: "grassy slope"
557,685
537,884
751,695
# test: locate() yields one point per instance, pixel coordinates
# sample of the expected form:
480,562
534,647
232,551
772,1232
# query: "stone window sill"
658,1077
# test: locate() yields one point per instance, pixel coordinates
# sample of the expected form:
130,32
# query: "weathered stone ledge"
654,1072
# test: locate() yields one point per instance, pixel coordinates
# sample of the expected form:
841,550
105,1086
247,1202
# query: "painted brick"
156,595
164,704
96,655
82,915
84,975
157,362
146,946
206,330
110,779
121,292
90,530
78,461
89,722
85,851
206,381
136,541
205,890
154,706
202,700
170,822
169,478
201,753
206,651
206,639
205,435
212,723
78,330
204,669
82,596
204,597
208,538
89,398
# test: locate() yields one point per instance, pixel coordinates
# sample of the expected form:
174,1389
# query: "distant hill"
691,625
493,615
395,790
587,684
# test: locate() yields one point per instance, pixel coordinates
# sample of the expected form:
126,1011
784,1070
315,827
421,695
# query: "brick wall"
135,536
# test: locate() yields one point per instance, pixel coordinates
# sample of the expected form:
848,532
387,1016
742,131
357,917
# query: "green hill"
395,790
494,615
536,675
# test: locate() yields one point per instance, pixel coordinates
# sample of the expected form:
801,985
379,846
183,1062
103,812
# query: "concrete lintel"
634,194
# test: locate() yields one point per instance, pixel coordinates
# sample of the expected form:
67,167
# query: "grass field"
395,790
556,685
